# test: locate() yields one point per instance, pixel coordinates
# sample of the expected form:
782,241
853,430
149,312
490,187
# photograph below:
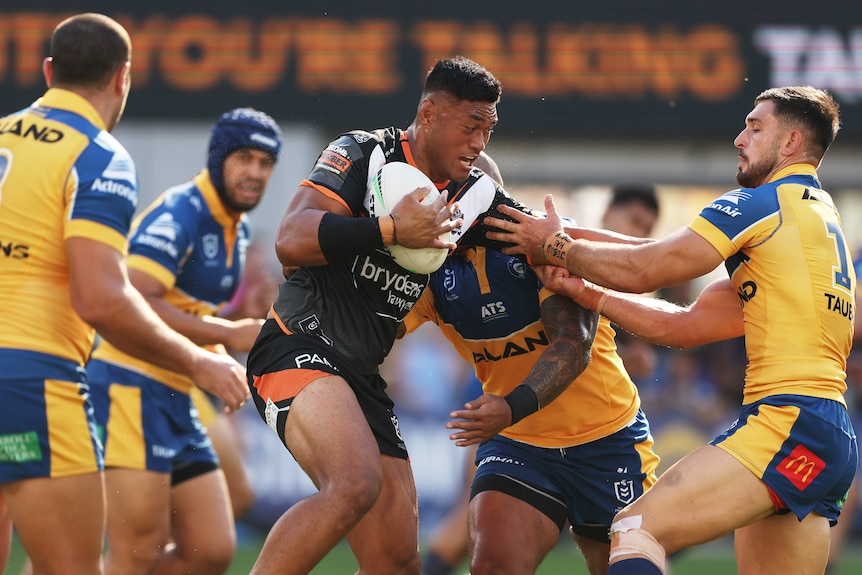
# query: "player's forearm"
320,238
653,320
558,366
715,315
130,324
200,330
634,268
571,329
599,235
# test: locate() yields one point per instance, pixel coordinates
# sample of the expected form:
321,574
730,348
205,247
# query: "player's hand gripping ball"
391,183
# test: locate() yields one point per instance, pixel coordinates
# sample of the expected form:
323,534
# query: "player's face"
456,134
758,145
632,219
245,174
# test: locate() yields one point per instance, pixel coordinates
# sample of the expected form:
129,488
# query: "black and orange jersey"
356,305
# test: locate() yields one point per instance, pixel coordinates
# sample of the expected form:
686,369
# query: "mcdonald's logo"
801,467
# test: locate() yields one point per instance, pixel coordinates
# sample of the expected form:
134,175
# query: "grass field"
713,559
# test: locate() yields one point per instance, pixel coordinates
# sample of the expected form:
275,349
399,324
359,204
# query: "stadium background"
593,94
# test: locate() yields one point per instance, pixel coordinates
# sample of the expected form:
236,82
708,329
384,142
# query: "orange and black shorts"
280,365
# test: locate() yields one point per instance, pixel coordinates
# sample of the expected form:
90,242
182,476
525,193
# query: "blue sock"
634,566
433,565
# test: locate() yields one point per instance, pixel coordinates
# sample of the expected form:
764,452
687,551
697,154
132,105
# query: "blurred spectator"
633,210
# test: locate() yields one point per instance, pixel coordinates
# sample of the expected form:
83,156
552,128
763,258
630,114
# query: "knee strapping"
627,538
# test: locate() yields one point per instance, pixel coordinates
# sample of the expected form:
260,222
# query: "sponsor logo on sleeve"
729,203
335,159
122,189
161,234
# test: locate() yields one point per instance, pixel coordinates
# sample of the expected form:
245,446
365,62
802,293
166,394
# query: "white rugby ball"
391,183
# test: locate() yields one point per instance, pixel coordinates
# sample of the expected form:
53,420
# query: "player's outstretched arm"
103,296
238,335
715,315
628,267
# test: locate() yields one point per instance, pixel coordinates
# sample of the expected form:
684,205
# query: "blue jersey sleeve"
166,233
107,185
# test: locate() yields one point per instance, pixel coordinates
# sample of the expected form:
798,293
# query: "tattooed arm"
571,330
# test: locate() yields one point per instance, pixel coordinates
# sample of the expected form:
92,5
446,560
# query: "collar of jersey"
795,170
408,155
211,197
65,100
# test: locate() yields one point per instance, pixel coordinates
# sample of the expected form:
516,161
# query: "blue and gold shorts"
586,484
47,427
803,448
146,424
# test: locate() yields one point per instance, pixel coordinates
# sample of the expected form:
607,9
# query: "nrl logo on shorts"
625,491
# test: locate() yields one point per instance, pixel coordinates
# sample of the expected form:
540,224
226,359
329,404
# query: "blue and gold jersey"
196,249
487,304
61,176
788,261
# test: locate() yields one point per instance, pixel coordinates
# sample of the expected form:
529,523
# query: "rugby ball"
391,183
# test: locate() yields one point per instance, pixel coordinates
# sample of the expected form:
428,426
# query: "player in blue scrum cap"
242,128
164,461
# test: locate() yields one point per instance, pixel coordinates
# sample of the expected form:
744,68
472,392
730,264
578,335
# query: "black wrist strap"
341,237
522,401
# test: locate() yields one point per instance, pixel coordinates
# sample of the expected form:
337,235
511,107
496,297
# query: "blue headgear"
238,129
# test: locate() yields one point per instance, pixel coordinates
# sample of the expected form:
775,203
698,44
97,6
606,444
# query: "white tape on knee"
626,523
627,538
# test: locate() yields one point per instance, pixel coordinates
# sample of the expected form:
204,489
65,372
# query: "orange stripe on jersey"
408,155
285,384
326,192
278,321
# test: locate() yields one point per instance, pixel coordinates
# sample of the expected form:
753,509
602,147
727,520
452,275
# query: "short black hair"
623,194
87,49
463,78
814,109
